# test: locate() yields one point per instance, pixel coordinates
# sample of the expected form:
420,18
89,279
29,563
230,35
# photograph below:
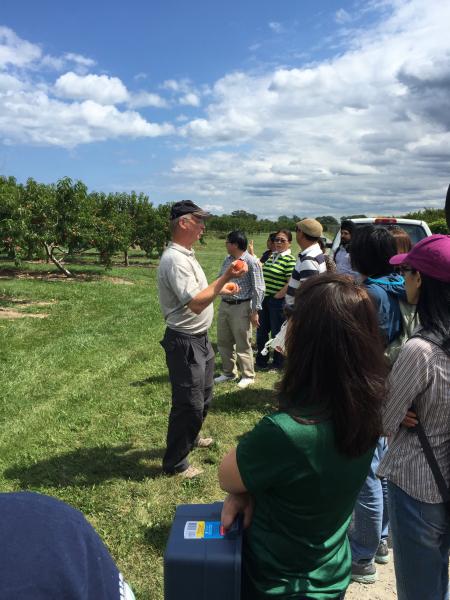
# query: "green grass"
85,400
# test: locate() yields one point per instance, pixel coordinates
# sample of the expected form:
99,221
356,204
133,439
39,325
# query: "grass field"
85,399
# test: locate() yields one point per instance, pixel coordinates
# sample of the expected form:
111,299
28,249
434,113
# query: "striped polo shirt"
310,262
277,270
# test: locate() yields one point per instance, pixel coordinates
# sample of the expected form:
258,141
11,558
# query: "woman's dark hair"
371,249
272,237
402,239
433,308
286,232
239,238
335,361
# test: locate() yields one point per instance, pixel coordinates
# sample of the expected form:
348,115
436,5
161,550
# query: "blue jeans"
421,541
271,319
370,517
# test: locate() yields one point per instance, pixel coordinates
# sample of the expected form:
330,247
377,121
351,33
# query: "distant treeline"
52,220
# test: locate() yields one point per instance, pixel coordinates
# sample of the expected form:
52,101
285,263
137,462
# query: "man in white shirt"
186,302
342,254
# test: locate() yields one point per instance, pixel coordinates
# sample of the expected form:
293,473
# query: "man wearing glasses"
186,302
238,313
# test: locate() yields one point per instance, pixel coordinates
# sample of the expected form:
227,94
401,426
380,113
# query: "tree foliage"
63,219
55,220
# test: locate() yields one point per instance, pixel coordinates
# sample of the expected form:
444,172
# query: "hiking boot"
204,442
382,555
190,472
223,378
364,572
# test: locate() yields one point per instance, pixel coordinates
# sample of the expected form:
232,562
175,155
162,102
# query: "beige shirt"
181,278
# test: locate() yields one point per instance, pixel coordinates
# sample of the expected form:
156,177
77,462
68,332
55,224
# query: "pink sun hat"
430,256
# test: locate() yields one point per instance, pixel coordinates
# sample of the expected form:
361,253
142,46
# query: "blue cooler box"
200,561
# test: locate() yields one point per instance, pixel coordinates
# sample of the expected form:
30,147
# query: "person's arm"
281,293
229,477
208,295
259,288
292,269
408,378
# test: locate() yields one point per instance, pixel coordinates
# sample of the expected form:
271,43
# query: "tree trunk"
126,259
49,251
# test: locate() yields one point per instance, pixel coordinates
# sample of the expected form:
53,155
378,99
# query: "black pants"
190,360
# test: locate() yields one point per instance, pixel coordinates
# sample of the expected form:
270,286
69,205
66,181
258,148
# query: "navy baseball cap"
187,207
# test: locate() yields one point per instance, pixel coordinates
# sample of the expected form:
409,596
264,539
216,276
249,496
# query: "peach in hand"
231,287
239,264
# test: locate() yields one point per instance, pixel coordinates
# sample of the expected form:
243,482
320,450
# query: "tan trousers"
234,338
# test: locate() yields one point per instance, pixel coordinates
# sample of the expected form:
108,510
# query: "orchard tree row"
63,219
59,220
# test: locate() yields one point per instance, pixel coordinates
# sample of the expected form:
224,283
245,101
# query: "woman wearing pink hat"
419,505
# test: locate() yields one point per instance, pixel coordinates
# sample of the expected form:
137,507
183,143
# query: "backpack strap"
444,489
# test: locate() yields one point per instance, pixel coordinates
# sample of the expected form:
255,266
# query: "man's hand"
254,318
235,504
230,289
238,268
410,419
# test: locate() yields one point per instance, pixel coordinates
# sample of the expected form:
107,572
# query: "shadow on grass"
152,379
88,466
239,401
156,536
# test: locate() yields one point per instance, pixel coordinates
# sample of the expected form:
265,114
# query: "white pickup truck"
416,230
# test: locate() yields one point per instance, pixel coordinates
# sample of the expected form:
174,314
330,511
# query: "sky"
289,107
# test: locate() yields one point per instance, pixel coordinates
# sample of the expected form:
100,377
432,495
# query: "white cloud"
342,16
100,88
171,84
366,130
140,76
190,99
77,109
142,99
34,118
276,27
8,83
79,59
187,93
16,52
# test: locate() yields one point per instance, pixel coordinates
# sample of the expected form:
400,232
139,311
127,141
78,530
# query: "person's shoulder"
426,342
288,258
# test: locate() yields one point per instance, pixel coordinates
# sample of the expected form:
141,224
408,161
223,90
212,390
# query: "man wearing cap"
186,302
310,261
342,254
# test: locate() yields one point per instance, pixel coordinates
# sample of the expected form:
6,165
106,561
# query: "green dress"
304,491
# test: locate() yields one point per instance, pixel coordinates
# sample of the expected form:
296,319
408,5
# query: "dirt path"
382,589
